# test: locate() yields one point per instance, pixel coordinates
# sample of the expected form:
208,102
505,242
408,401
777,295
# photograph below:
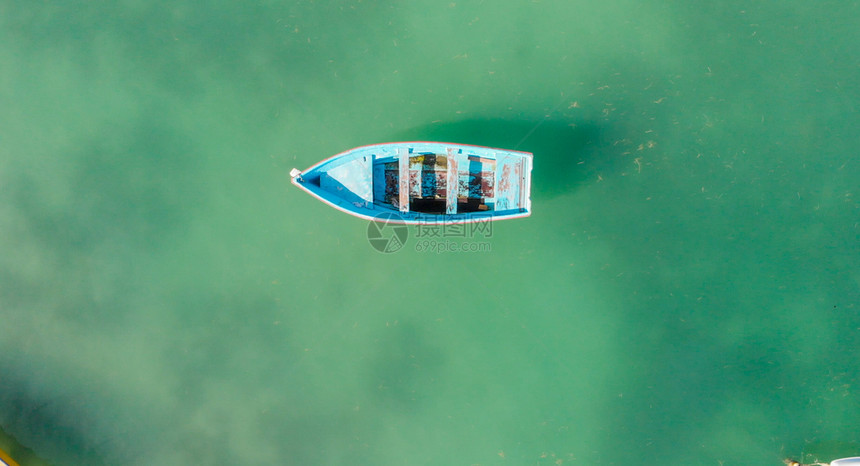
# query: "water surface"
686,291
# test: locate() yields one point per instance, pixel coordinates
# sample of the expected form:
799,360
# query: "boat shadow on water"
566,155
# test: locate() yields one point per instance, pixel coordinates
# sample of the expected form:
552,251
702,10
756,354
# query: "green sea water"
687,290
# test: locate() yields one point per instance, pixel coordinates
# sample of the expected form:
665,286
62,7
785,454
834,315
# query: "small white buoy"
295,172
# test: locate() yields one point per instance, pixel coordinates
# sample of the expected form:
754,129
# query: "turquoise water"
686,291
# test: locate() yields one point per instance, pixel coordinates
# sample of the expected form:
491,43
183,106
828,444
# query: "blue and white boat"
423,182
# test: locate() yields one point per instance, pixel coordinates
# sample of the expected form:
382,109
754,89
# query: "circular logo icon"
387,233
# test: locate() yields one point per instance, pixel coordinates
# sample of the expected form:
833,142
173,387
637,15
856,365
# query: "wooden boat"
423,182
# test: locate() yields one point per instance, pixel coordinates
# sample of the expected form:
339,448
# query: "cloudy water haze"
687,290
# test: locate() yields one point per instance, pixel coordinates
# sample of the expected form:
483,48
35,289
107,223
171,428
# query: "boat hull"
423,183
